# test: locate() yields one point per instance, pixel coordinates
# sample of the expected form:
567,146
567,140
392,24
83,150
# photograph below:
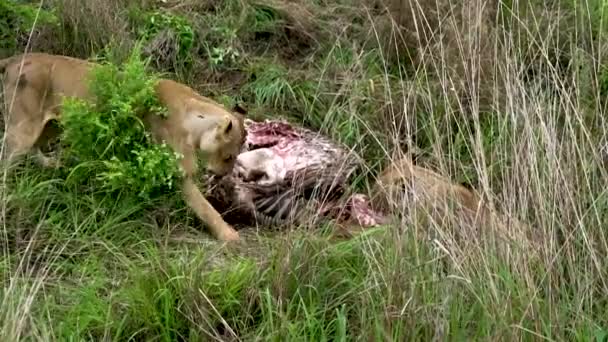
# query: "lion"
403,186
35,83
401,178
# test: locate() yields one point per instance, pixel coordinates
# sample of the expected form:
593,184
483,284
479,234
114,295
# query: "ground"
507,98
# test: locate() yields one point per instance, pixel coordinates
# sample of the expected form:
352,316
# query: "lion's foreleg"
206,212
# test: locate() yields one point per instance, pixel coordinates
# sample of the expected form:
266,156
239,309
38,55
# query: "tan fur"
401,186
196,125
33,87
403,175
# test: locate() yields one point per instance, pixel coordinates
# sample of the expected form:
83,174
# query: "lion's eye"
228,159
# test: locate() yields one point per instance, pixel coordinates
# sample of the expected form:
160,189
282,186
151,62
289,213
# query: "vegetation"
106,145
507,97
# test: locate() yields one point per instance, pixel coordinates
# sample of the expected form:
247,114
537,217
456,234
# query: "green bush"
106,141
16,22
168,35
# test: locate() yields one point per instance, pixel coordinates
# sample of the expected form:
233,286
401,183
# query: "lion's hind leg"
20,138
24,127
26,121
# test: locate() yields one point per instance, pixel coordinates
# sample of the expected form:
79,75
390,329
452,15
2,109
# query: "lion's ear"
238,108
226,125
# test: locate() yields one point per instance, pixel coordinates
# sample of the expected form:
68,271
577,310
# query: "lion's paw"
229,235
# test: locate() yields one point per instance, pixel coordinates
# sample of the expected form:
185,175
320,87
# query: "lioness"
403,186
35,83
402,178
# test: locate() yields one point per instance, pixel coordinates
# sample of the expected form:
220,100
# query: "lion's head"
217,135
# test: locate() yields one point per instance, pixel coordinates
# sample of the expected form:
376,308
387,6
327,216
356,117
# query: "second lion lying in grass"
405,188
34,87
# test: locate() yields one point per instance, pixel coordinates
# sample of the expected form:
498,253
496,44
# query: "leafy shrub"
16,22
106,140
219,36
224,54
167,36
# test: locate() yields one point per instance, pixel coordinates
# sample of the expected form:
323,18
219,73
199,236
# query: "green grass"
82,264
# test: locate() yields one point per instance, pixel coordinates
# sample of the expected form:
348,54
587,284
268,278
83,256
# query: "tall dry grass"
548,167
531,143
